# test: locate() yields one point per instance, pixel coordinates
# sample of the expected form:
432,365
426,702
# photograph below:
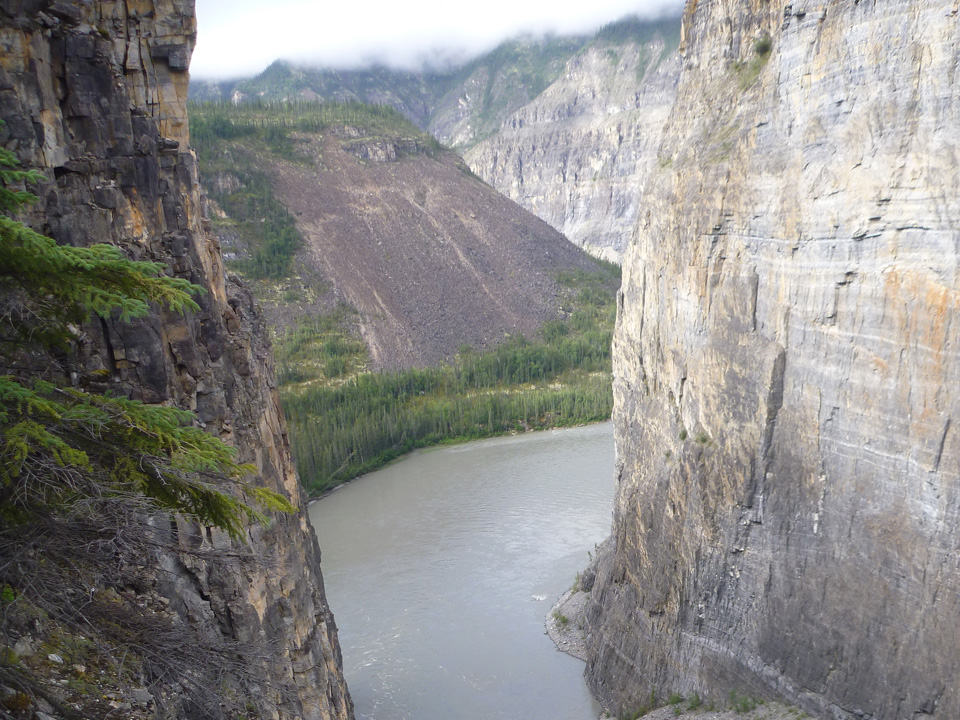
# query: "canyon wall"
93,95
578,156
787,372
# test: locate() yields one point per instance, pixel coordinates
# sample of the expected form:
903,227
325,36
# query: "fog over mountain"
240,38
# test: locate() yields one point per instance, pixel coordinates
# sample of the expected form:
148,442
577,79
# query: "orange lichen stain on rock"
135,226
924,308
880,365
685,24
942,303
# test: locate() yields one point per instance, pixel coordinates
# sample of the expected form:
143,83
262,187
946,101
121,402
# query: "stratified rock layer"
93,95
579,155
787,371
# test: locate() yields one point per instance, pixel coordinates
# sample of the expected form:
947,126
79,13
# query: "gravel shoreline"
568,636
565,626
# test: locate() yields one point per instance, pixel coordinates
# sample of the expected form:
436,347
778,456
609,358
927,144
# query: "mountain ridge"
586,154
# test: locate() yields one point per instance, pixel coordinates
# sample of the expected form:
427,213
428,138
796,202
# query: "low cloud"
239,38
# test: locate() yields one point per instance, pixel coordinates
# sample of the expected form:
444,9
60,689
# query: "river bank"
565,626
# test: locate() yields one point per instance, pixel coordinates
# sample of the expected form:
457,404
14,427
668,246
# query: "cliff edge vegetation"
86,477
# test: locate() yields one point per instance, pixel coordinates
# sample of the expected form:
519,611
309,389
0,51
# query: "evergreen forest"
345,422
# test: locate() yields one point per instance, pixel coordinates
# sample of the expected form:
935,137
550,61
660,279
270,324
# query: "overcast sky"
239,38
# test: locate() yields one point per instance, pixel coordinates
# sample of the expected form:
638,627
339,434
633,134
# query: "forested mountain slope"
410,302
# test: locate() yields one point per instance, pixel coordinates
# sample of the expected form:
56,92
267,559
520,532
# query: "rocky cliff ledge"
93,95
787,373
579,155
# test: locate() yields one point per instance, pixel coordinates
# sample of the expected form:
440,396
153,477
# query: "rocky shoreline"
564,623
565,626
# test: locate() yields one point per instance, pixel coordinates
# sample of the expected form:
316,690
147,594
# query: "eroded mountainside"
429,257
786,371
579,155
94,96
432,258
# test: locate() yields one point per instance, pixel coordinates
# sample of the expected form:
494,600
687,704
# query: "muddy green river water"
441,568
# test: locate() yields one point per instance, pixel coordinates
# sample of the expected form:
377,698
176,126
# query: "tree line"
343,428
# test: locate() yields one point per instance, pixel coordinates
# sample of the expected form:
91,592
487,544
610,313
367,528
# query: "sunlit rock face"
94,96
787,519
579,155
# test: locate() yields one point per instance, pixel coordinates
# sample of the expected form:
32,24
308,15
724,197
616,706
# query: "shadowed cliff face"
94,95
786,371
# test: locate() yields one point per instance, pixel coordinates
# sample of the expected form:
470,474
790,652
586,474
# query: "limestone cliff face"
93,95
579,155
787,371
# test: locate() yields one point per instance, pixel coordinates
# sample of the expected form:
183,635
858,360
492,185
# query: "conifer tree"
91,483
60,445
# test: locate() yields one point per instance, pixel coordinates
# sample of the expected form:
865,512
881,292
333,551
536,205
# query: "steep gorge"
93,95
786,371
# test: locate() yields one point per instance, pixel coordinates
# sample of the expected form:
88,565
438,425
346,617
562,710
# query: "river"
440,569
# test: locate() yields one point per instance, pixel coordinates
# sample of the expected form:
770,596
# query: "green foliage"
743,703
763,44
695,702
632,29
11,200
647,707
343,428
272,123
61,446
319,348
80,444
265,227
561,619
65,285
748,71
642,32
344,431
281,81
49,287
517,71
